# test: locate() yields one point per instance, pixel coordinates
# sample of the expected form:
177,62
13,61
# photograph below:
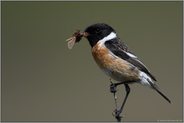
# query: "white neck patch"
112,35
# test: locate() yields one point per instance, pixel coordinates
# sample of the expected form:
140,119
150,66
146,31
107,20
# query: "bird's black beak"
85,34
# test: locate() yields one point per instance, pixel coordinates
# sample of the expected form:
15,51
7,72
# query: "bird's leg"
113,89
118,112
113,86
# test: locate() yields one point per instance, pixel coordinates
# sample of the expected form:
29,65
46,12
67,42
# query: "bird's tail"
155,87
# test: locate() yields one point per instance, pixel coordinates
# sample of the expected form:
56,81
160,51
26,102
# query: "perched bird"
116,60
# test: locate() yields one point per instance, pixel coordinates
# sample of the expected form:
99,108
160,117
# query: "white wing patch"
145,79
131,55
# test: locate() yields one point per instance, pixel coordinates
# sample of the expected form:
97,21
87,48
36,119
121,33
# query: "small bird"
116,60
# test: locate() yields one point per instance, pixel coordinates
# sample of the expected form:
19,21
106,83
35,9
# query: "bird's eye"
97,30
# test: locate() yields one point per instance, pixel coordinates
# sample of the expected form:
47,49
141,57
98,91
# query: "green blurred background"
44,81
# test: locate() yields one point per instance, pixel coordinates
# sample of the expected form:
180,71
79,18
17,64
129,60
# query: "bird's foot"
116,114
113,88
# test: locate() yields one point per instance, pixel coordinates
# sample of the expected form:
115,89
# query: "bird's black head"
97,32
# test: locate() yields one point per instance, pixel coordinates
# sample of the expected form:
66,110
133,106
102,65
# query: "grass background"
44,81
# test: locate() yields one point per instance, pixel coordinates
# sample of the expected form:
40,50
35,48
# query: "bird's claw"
113,88
116,114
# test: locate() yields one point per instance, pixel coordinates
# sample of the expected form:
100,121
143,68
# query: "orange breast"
114,66
101,57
